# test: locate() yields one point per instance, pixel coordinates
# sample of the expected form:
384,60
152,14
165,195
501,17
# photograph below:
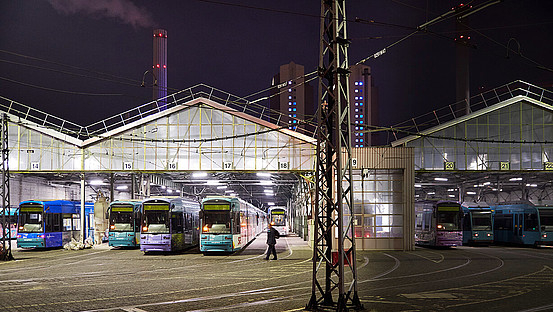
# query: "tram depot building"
500,150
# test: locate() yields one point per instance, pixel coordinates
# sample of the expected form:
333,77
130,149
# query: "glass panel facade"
195,138
519,133
378,203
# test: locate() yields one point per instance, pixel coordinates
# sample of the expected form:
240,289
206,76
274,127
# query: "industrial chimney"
160,67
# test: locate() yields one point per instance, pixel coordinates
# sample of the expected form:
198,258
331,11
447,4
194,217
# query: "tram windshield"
482,220
448,218
30,222
156,221
121,221
216,221
546,219
278,219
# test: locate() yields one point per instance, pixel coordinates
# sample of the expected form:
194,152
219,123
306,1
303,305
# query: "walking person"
272,235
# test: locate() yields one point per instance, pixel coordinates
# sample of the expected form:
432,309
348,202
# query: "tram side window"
466,222
137,222
427,221
531,222
67,224
53,222
177,222
189,221
504,222
236,221
418,221
76,222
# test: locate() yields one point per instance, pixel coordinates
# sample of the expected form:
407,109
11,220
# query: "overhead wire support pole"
334,245
6,247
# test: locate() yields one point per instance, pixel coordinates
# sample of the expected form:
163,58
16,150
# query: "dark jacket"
272,235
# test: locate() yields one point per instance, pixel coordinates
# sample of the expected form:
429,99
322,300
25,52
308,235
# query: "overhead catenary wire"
69,66
509,49
455,31
59,90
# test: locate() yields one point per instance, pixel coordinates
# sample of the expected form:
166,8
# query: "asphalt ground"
495,278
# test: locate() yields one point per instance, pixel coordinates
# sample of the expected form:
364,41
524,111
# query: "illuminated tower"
160,67
363,106
292,96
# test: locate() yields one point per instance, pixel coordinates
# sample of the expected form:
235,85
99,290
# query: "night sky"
83,60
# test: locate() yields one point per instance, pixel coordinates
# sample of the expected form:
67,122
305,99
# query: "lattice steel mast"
6,247
334,197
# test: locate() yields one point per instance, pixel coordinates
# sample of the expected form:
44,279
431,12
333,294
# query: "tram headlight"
475,234
112,227
440,227
544,235
21,228
144,229
489,234
205,228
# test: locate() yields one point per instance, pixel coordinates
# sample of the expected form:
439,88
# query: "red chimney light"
164,66
157,65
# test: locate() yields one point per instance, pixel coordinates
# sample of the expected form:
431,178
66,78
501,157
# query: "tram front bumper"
216,243
30,243
121,239
155,242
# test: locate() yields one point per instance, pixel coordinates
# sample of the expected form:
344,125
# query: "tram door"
517,229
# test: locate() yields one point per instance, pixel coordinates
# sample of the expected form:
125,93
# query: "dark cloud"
123,10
